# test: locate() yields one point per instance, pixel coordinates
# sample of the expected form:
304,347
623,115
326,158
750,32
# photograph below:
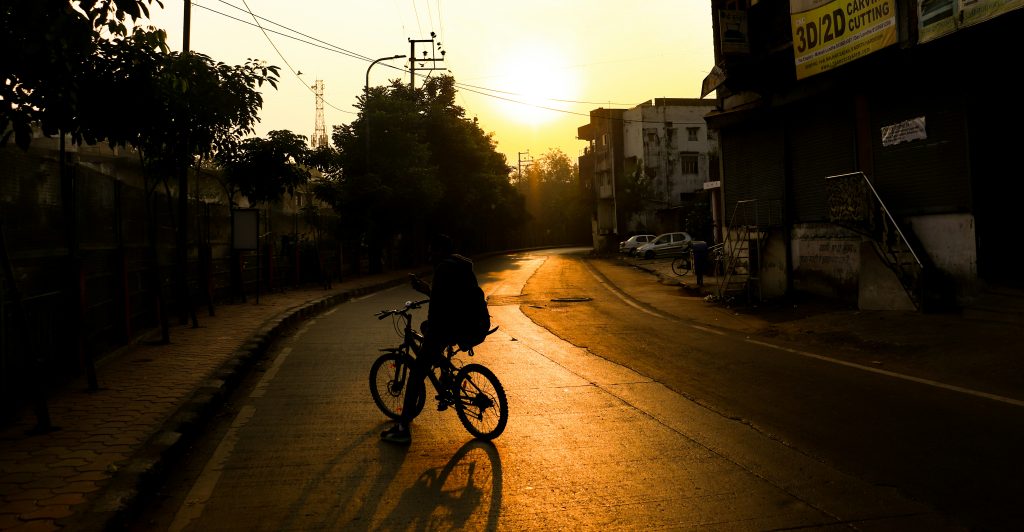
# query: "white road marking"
910,378
893,374
619,294
203,487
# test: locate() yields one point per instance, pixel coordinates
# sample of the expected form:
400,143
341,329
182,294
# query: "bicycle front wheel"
389,382
481,403
681,265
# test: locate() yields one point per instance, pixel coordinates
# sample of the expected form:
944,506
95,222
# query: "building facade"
601,165
647,165
862,150
669,155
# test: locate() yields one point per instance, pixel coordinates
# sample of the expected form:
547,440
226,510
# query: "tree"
478,205
263,170
48,42
385,181
558,205
412,164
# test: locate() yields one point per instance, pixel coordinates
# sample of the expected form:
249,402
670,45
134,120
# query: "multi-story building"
865,151
670,151
646,164
601,164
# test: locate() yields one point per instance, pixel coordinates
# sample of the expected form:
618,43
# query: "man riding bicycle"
440,330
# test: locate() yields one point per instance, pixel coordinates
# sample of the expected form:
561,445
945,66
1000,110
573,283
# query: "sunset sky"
530,70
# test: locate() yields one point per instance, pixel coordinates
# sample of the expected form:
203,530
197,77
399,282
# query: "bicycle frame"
412,344
473,390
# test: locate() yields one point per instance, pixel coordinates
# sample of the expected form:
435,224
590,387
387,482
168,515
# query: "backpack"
474,323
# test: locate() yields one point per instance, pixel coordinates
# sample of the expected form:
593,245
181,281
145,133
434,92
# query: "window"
689,163
692,133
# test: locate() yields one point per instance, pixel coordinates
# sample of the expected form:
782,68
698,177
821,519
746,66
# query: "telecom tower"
319,131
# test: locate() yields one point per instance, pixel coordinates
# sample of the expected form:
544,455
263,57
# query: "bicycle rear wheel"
681,265
481,404
389,379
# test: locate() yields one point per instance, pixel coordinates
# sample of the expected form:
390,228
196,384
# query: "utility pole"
187,26
185,300
527,161
433,59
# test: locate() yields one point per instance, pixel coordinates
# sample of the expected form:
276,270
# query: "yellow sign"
937,18
830,33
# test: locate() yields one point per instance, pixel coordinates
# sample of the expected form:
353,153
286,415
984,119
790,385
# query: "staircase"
741,253
854,204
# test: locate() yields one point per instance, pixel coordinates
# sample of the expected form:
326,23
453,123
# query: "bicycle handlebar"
409,305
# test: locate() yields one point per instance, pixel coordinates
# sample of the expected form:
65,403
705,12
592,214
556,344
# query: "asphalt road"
631,407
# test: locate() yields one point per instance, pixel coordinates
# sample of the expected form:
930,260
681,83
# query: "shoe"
397,434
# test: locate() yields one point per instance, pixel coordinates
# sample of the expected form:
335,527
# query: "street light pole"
366,103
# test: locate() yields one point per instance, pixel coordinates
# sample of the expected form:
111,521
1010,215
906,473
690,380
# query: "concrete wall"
878,287
773,266
826,261
951,244
833,262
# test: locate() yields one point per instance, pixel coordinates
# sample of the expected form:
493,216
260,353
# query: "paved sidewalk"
110,443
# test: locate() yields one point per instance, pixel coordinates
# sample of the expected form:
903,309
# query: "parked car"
665,245
629,245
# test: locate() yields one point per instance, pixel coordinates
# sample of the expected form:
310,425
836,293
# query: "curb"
147,469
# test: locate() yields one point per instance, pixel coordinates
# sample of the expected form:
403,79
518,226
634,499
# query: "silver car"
629,245
666,245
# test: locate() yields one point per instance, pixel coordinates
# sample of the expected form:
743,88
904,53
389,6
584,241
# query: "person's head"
441,246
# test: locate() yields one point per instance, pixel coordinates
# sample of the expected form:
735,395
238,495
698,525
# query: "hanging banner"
937,18
831,33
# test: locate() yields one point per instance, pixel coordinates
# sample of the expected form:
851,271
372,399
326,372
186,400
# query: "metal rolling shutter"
753,159
822,142
928,176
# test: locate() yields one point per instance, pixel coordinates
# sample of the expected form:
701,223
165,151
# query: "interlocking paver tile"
46,477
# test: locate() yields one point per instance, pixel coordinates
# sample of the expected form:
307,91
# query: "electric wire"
340,49
482,91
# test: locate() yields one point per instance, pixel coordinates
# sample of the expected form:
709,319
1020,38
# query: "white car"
629,245
668,244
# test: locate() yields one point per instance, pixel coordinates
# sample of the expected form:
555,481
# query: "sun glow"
531,83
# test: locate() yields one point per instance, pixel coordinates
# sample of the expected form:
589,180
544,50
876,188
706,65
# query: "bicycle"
473,390
683,264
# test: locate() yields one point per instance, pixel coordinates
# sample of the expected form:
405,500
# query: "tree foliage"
48,44
558,206
263,170
412,164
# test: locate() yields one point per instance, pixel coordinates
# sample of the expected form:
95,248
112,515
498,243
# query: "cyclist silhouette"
440,328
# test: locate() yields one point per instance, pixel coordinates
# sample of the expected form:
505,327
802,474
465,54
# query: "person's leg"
415,388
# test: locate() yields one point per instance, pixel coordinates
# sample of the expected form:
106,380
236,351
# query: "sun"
534,86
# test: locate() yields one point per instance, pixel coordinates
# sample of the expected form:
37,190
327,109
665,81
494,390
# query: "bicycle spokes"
472,395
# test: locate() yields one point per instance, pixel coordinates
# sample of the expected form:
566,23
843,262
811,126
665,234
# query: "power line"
482,91
417,11
274,46
340,49
550,99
